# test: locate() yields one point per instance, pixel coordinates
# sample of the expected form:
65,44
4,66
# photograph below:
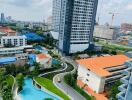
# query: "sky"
38,10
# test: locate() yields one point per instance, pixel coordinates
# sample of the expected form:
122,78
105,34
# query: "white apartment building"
13,41
98,72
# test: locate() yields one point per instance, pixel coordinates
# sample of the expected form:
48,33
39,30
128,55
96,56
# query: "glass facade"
74,20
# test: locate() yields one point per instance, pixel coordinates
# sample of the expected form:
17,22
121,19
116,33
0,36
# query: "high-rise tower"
74,20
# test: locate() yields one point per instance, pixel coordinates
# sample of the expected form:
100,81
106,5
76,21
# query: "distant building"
45,60
2,18
13,41
105,32
8,31
125,27
74,20
123,40
126,87
9,19
96,73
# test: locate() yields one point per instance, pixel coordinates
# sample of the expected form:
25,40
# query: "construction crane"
113,17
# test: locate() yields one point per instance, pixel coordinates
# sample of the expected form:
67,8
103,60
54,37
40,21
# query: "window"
88,74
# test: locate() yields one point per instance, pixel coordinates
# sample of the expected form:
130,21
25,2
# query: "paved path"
15,92
66,88
63,86
59,70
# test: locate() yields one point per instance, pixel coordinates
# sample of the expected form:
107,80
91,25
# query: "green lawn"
114,46
10,80
48,84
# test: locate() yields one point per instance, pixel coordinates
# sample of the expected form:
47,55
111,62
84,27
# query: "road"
63,86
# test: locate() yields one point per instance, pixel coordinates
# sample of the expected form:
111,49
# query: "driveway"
63,86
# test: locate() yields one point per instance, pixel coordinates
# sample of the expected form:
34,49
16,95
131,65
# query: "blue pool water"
41,49
29,92
54,61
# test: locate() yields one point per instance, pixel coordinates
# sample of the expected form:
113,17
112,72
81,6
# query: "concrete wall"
78,47
45,63
95,82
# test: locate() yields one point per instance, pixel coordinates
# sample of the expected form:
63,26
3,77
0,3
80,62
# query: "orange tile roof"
42,56
6,30
98,64
91,92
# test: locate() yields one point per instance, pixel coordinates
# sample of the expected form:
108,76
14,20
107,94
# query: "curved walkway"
66,88
59,70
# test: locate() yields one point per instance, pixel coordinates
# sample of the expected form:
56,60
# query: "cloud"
24,3
38,10
129,7
115,6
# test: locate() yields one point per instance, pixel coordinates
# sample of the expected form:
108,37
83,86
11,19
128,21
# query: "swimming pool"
41,49
29,92
55,61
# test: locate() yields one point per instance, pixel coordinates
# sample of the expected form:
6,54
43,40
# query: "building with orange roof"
97,72
45,60
8,31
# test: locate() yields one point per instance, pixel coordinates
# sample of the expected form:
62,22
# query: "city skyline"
38,10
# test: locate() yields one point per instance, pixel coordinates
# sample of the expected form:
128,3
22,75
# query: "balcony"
112,69
125,80
121,96
123,88
114,77
127,71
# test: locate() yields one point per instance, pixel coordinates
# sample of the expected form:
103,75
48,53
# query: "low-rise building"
8,31
22,56
105,32
12,60
126,27
98,72
13,41
126,87
14,50
45,60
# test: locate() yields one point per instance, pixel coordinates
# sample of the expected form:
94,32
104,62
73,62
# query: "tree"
114,90
20,80
48,99
36,70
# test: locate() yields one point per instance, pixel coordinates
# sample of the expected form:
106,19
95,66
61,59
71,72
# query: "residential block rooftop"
98,65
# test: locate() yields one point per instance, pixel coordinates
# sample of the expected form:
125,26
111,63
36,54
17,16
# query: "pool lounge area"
30,92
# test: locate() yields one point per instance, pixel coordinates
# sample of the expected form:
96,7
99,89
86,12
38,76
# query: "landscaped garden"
70,79
6,85
48,84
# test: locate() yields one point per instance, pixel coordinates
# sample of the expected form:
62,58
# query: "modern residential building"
96,73
14,41
45,60
126,87
105,32
74,20
125,27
